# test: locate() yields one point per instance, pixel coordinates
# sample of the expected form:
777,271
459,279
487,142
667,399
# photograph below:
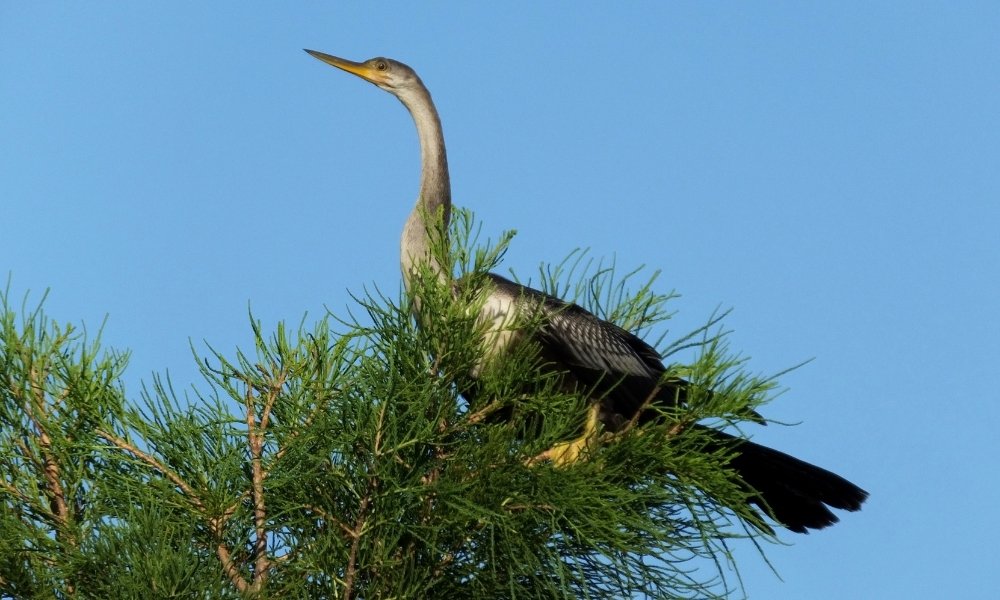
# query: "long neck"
432,211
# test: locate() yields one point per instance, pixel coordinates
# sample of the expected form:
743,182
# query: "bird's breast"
498,315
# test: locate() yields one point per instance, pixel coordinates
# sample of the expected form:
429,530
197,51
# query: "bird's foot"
565,454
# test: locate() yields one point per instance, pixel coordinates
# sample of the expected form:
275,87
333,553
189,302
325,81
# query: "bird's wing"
589,342
582,340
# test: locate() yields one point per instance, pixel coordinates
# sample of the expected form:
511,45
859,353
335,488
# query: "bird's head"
388,74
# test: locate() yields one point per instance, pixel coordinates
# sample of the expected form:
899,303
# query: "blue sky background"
831,172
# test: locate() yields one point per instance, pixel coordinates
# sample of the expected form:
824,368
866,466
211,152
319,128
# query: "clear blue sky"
831,172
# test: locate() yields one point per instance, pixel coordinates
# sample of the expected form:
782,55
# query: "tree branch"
149,460
35,409
215,524
229,567
352,559
255,439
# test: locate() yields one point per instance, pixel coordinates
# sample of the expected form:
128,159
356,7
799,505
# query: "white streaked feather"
499,314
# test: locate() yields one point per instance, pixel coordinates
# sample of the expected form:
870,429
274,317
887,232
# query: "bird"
621,373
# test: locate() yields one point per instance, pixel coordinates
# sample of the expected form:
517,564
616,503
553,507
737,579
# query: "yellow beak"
362,70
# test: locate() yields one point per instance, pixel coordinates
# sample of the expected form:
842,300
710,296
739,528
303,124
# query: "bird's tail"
793,492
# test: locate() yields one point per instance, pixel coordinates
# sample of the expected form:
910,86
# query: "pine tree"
342,461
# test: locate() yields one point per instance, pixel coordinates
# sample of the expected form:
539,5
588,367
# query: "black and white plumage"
620,370
598,355
624,372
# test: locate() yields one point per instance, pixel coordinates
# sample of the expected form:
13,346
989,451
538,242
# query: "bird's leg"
565,454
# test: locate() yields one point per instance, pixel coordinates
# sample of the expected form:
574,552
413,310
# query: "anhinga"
582,348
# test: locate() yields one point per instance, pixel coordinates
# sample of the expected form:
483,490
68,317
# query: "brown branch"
482,413
292,435
677,428
352,557
232,572
645,404
360,521
36,411
149,460
272,396
523,507
56,493
215,524
377,448
328,517
255,440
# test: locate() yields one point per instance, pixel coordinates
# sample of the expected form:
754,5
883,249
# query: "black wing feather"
623,372
617,366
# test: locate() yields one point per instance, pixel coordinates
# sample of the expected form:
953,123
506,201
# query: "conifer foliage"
342,460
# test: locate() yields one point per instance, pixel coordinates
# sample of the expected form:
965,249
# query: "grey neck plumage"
433,206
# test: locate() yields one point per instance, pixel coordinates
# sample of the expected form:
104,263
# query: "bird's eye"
381,65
